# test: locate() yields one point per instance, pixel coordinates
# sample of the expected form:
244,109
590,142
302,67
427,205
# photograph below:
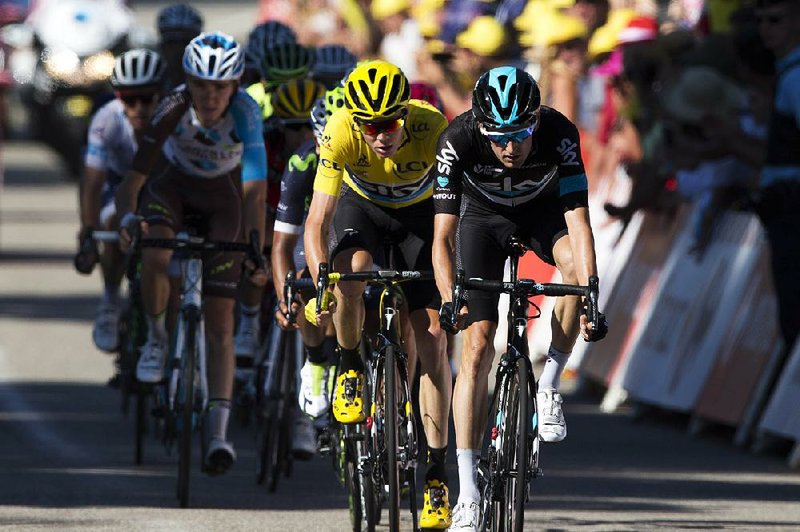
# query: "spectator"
401,37
779,207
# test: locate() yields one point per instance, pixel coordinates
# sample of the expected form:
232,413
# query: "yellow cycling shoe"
436,506
348,401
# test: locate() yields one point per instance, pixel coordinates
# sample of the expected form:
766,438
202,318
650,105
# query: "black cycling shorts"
361,224
482,245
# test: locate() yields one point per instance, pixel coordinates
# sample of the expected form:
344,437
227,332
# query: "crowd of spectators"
679,94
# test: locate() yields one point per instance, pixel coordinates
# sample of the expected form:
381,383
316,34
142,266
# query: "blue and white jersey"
237,139
112,142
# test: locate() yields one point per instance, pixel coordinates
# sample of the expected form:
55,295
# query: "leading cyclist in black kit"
508,167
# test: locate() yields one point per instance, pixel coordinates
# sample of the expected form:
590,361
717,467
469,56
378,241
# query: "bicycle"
276,392
385,448
511,460
185,391
133,334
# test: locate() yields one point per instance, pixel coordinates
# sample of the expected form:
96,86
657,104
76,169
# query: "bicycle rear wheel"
390,434
185,406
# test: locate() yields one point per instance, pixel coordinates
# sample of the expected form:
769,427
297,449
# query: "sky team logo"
443,181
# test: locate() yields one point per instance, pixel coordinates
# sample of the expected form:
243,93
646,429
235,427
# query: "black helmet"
179,22
506,98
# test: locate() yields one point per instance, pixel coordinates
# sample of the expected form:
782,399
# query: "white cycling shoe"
220,456
314,399
304,439
552,425
106,327
151,362
466,516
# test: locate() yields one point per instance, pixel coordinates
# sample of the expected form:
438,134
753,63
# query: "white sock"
157,328
249,317
468,475
551,374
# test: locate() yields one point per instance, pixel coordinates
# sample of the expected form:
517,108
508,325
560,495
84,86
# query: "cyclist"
261,38
292,104
113,138
204,154
381,147
331,65
177,25
508,166
280,63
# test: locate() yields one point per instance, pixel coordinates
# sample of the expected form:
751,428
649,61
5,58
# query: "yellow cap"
485,36
382,9
606,37
553,27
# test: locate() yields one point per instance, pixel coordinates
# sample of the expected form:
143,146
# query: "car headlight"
62,64
99,66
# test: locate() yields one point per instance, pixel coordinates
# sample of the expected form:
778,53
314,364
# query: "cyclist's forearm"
255,208
128,192
444,246
582,244
316,249
282,261
91,190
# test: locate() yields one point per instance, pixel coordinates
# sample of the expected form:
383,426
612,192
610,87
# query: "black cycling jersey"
465,164
297,187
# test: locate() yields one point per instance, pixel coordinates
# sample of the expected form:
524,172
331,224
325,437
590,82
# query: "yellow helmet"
375,90
294,99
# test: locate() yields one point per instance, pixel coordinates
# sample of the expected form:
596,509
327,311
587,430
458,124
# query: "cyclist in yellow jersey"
372,180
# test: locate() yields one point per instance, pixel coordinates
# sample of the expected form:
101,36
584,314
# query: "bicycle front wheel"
391,441
185,409
515,449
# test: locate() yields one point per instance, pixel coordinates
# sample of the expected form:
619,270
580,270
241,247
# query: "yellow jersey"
395,182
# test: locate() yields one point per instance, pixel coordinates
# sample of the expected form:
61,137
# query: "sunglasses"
771,20
131,99
503,138
373,129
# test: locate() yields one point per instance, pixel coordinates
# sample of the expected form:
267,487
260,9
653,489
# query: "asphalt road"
66,450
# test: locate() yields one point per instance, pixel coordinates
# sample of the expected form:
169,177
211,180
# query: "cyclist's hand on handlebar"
127,229
258,276
449,320
280,315
323,318
592,332
87,256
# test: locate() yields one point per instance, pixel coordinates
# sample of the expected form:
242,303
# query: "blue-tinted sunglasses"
503,138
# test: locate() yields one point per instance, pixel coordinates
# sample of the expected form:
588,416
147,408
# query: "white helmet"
214,56
136,68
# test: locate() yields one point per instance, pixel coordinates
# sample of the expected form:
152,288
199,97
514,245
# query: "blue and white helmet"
137,68
214,56
506,98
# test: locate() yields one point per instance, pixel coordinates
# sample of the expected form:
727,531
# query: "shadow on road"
65,307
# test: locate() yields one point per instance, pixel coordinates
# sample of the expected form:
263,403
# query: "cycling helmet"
333,62
265,36
294,99
506,98
334,99
137,68
213,56
286,61
319,117
376,90
176,21
427,93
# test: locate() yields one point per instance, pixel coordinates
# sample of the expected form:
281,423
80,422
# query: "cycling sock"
437,470
331,353
468,475
315,353
111,295
551,374
157,328
219,411
350,360
249,316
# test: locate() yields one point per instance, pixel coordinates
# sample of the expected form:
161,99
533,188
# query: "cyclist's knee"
349,293
156,260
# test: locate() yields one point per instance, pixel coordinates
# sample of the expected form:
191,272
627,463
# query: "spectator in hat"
779,206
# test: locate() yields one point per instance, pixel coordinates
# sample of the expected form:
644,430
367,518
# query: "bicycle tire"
352,484
186,408
141,422
516,450
390,434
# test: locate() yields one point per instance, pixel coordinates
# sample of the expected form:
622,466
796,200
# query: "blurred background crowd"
677,94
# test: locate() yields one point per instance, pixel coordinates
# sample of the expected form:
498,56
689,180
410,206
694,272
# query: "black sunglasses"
132,99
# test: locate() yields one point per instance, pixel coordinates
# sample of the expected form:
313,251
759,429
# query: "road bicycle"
276,393
381,454
185,391
511,460
132,335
